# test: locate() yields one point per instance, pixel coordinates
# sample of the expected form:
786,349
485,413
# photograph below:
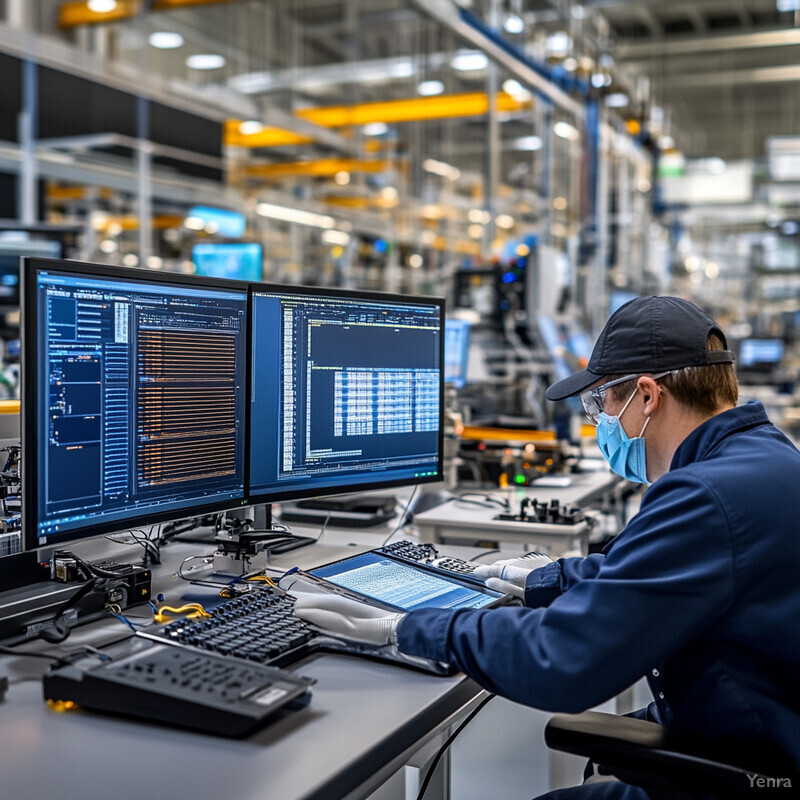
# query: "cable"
485,553
9,651
485,500
443,749
403,518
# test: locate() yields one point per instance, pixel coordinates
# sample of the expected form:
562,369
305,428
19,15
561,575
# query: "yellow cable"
195,609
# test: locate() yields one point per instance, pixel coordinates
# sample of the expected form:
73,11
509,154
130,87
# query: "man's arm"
548,582
667,578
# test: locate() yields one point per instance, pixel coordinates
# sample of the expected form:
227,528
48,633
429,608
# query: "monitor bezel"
281,494
31,435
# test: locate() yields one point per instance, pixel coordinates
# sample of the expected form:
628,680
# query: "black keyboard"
257,627
172,685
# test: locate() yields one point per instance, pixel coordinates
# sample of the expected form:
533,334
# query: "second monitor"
346,392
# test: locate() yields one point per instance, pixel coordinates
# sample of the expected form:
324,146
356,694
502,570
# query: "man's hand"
510,575
348,619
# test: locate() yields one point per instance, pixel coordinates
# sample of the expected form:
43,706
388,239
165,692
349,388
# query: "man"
700,592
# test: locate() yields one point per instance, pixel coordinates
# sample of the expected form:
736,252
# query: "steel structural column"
143,180
27,193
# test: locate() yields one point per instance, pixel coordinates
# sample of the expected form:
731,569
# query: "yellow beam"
411,110
78,13
319,168
266,137
508,434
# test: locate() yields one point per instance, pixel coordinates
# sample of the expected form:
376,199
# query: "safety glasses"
594,400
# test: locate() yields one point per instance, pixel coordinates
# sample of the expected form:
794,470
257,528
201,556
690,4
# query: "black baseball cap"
648,334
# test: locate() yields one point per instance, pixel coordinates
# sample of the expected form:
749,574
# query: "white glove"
510,575
348,619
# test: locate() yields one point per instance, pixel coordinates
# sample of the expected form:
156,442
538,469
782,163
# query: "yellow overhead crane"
415,109
73,14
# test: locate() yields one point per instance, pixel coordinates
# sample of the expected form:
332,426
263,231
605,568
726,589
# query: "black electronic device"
171,685
346,392
362,511
387,581
133,401
43,603
552,513
411,551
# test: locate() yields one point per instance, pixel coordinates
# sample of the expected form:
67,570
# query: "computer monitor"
237,260
220,221
13,246
346,391
133,403
760,354
456,351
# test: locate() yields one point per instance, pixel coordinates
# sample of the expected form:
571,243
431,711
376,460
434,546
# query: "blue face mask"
625,456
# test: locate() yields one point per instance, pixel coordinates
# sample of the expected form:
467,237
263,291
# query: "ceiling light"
565,130
570,64
427,237
558,44
578,12
712,269
617,100
429,88
205,61
130,260
504,221
441,168
559,203
598,80
528,143
513,23
415,261
154,262
478,215
475,231
295,215
108,246
516,90
101,6
250,127
693,263
389,193
666,143
165,40
336,237
375,129
401,69
194,223
469,61
341,178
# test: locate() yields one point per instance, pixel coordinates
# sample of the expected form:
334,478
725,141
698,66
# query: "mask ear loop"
628,402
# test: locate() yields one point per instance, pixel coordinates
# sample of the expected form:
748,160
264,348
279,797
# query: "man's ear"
650,393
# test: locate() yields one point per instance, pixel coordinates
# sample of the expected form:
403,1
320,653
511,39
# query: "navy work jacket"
700,593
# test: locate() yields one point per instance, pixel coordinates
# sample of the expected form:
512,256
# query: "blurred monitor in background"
238,260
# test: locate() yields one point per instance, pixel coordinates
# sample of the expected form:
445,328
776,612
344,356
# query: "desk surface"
475,521
364,720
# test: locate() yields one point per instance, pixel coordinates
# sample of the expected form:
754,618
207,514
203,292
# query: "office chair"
637,752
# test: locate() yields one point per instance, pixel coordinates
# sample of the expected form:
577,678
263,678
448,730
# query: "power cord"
445,747
403,518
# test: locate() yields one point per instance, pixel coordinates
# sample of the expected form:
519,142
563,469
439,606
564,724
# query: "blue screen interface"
757,352
401,585
141,399
345,392
236,260
456,352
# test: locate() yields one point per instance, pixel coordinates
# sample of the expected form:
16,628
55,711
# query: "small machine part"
552,513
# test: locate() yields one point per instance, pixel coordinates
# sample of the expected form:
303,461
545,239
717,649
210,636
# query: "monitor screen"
238,260
346,391
219,221
13,245
760,353
405,587
133,398
456,351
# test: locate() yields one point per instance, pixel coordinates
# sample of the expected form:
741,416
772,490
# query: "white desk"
472,522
